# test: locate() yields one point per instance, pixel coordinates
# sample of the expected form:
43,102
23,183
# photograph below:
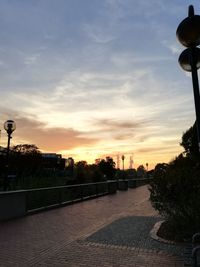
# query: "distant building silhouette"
53,161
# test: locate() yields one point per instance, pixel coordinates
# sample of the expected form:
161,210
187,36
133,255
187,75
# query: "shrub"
175,193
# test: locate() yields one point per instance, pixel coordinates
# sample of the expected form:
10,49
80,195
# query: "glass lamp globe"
188,31
9,126
185,59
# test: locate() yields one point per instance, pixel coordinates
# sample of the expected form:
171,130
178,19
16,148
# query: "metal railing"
41,198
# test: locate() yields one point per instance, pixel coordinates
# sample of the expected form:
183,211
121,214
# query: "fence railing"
42,198
18,203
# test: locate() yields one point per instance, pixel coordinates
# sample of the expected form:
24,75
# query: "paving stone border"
154,234
101,245
187,247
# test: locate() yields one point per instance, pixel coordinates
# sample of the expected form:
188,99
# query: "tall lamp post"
147,165
123,158
9,126
188,34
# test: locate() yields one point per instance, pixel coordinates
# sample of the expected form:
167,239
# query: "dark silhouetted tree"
190,142
26,149
81,168
141,172
25,159
175,189
107,167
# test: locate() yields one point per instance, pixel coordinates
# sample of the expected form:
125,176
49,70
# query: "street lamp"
188,34
147,165
123,158
9,126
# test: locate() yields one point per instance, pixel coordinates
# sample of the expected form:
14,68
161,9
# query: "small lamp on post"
9,126
188,34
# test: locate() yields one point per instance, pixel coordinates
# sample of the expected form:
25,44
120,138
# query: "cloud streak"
30,130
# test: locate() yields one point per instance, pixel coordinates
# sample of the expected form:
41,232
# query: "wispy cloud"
115,124
98,34
174,47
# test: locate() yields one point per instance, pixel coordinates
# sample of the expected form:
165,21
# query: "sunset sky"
95,78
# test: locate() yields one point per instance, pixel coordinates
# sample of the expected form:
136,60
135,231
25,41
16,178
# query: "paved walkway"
87,234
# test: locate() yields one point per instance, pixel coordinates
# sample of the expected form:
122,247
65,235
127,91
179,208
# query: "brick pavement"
59,237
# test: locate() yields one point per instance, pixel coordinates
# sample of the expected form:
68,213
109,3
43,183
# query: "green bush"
175,193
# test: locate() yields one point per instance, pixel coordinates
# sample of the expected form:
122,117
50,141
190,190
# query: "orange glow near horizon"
89,149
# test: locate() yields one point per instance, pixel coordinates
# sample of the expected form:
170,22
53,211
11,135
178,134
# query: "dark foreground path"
109,231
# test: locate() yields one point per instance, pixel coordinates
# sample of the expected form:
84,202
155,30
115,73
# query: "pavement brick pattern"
133,231
85,234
